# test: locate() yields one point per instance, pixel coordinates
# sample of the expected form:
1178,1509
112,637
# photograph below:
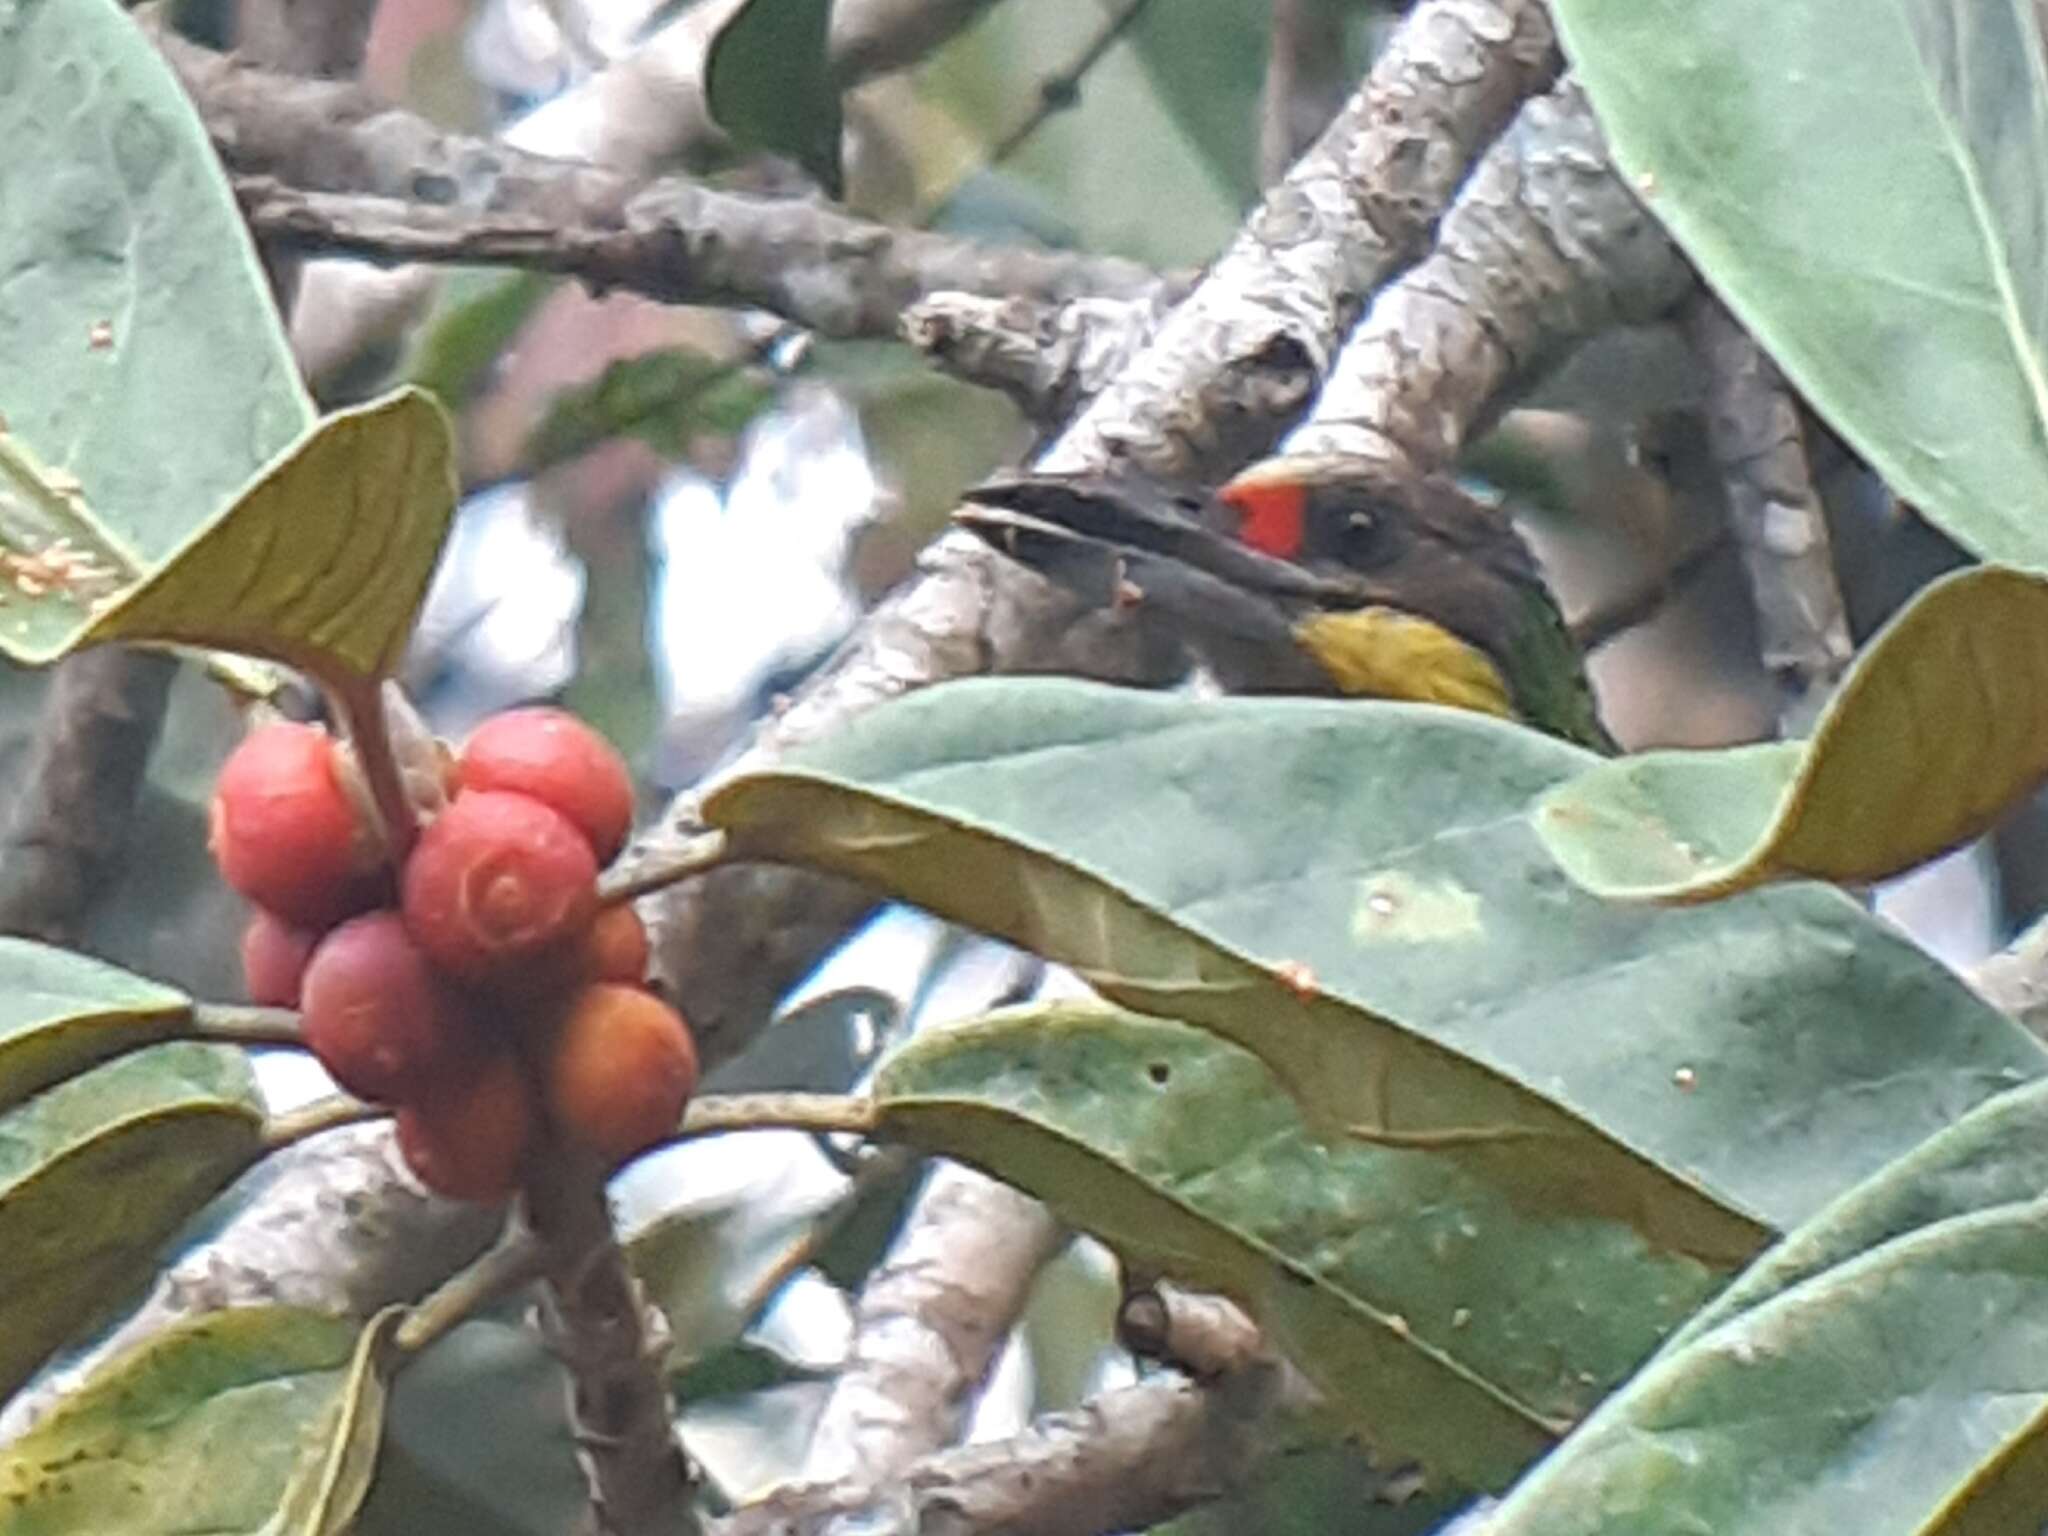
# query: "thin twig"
515,1260
316,1119
1640,604
245,1024
825,1113
648,872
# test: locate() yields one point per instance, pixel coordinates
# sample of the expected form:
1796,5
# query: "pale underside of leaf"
62,1012
1942,725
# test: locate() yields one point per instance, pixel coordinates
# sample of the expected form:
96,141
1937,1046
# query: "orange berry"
383,1024
285,832
619,1070
274,956
497,882
616,947
467,1138
554,757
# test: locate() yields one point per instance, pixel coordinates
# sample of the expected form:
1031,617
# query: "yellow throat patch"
1383,653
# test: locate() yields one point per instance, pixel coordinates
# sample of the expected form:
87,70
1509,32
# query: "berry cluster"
481,985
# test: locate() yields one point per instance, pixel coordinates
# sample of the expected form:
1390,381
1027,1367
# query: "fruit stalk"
612,1343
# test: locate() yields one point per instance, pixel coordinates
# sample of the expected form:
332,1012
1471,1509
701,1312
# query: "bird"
1314,573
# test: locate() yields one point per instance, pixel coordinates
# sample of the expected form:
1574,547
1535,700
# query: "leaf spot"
1394,907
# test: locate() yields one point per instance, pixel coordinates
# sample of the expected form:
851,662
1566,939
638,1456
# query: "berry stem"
511,1262
360,703
328,1114
244,1024
634,877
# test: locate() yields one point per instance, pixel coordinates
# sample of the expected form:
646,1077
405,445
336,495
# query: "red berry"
274,956
554,757
383,1024
619,1070
467,1138
497,882
285,832
616,947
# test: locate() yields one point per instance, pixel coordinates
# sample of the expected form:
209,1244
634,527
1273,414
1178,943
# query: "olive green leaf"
194,1429
1444,1319
323,561
61,1013
1940,727
1353,892
338,1454
1894,274
768,81
478,313
665,398
97,1172
147,376
1889,1393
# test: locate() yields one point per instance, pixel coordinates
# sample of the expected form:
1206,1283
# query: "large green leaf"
338,1454
1869,1399
1353,892
146,375
1867,187
196,1429
61,1013
1446,1320
768,81
97,1172
1942,725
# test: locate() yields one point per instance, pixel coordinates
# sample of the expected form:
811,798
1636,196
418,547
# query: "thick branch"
1048,358
929,1324
1544,248
1124,1461
1779,523
1249,348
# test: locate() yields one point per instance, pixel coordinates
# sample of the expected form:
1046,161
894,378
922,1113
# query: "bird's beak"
1039,520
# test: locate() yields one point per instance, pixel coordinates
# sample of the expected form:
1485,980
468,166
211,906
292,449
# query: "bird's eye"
1361,533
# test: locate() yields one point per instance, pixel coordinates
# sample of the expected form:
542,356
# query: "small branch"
826,1114
1544,248
2015,980
514,1261
362,710
1775,512
76,797
1048,358
611,1343
649,872
317,1119
930,1322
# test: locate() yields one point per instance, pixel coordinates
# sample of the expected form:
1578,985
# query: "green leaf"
338,1458
1942,725
147,376
477,315
1868,1398
195,1429
664,398
1353,892
61,1013
323,560
1995,1155
1893,274
97,1172
1445,1319
768,81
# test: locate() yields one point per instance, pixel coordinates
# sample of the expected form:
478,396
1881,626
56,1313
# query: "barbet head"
1310,575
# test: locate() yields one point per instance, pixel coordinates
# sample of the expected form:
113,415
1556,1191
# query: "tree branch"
1048,358
930,1322
1775,512
1544,248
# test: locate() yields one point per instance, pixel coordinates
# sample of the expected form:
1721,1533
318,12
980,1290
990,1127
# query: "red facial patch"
1274,516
